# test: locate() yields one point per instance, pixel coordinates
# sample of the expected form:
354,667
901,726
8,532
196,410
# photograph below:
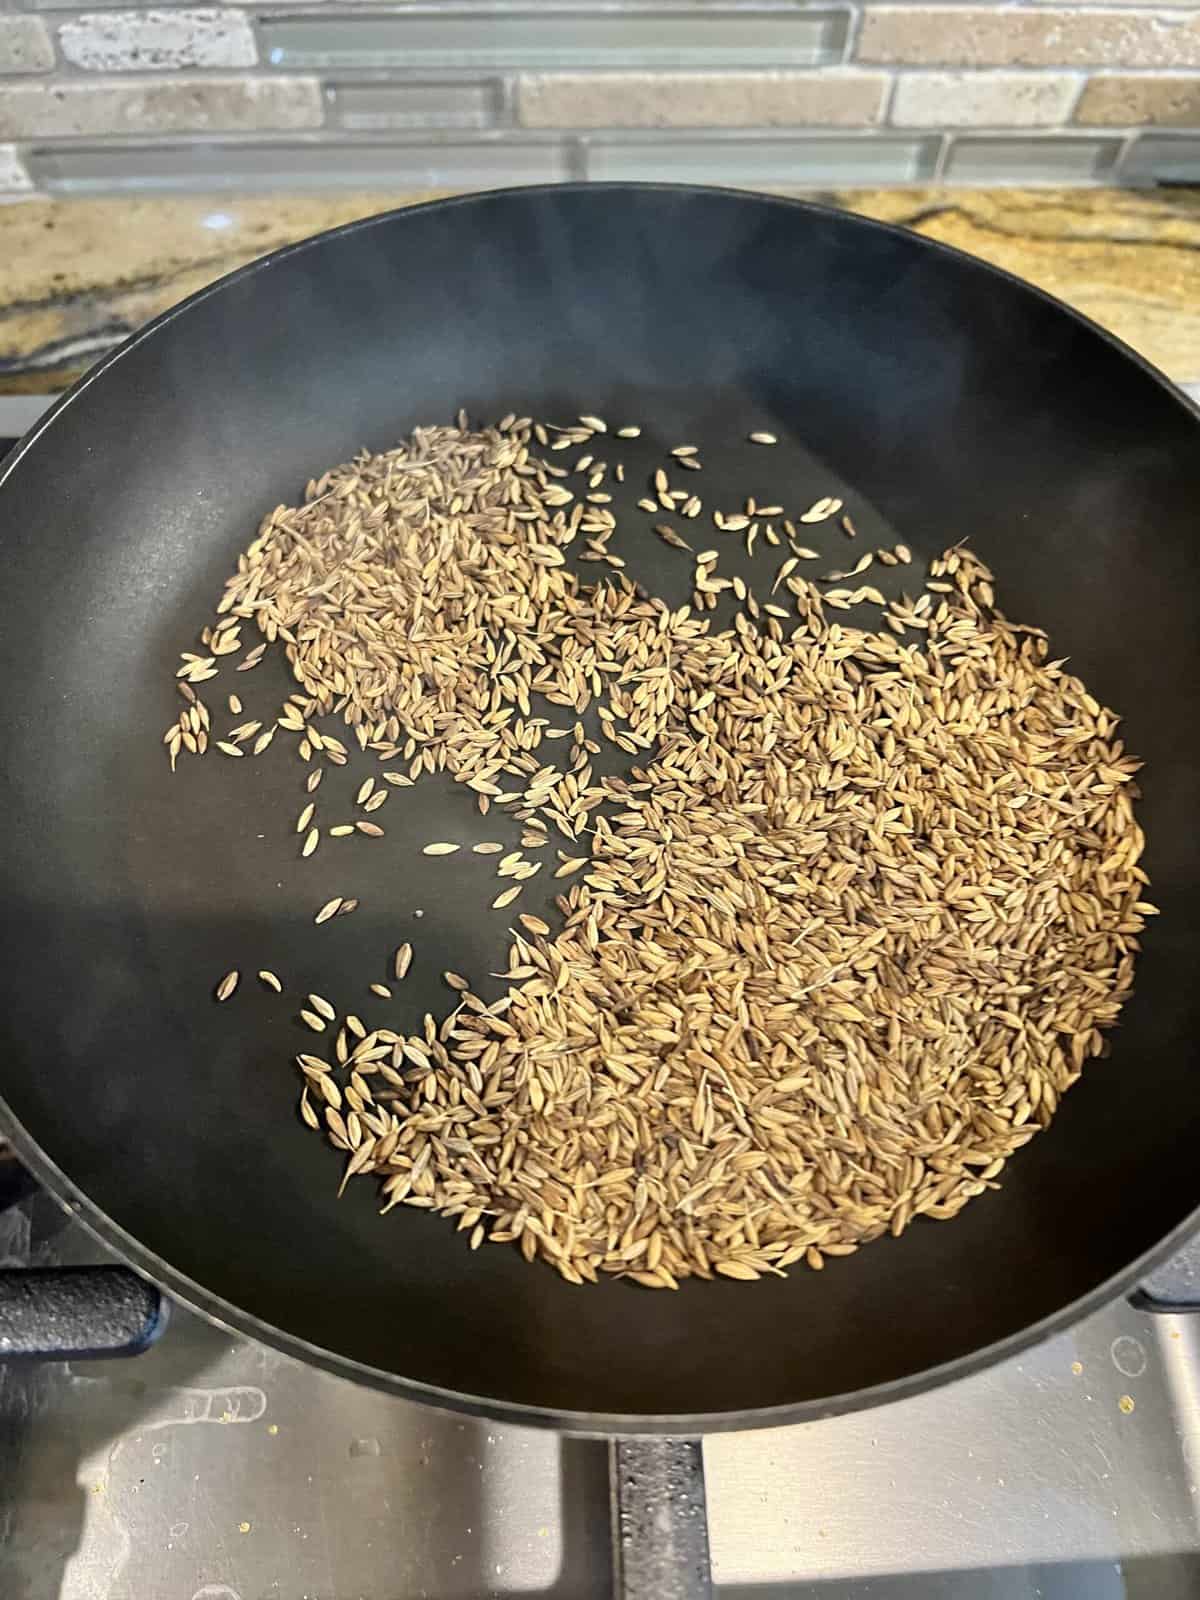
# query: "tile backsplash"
774,93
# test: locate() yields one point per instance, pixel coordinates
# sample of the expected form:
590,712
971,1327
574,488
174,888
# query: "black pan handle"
659,1519
73,1313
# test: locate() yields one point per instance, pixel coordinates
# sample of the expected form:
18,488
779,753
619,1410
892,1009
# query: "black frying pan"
943,398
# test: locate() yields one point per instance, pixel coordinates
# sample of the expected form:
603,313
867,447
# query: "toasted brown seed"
727,969
821,510
736,1269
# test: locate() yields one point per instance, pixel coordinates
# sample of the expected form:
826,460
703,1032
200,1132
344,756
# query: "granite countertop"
77,276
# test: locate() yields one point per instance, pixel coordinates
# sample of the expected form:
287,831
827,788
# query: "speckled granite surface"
77,276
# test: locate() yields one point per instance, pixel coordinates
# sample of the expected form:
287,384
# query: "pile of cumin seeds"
852,922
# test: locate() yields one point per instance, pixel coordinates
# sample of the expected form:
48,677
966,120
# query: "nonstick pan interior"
942,399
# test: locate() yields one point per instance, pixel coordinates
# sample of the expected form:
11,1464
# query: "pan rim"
214,1308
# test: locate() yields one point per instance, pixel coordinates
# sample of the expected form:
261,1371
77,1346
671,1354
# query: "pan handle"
73,1313
659,1519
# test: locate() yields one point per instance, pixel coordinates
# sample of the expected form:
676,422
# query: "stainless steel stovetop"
211,1468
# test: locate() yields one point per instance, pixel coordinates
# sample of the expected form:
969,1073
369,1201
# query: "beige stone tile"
983,99
81,108
13,177
1169,100
24,45
146,41
1028,36
829,98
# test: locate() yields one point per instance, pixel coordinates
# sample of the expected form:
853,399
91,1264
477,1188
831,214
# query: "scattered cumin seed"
724,974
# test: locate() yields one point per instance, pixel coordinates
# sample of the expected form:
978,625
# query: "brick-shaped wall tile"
1028,36
983,99
13,177
79,108
1046,158
1127,100
770,161
272,165
148,41
545,36
1163,158
24,45
701,99
368,106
